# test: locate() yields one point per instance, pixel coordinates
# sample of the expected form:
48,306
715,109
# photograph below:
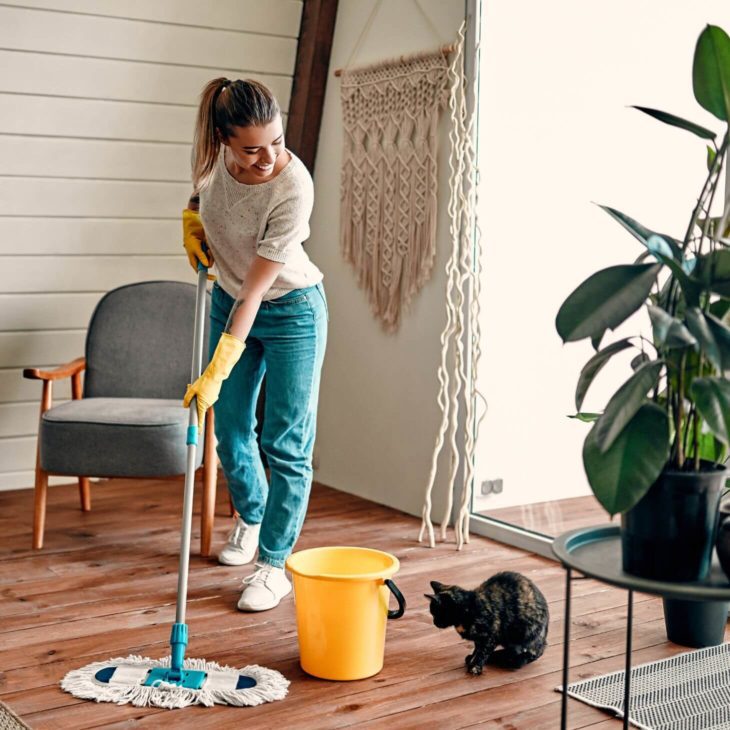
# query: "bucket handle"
398,612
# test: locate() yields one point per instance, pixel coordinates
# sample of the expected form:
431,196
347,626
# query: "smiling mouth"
264,168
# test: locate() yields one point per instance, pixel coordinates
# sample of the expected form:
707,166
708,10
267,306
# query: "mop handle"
192,442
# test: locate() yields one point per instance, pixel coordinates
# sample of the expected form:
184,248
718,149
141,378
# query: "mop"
175,681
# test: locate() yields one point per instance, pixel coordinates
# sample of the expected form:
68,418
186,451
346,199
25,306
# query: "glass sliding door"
556,133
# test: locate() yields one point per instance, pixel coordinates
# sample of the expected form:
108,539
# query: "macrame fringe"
270,686
389,177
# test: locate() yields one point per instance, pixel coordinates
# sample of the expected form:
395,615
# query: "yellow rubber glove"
207,387
193,240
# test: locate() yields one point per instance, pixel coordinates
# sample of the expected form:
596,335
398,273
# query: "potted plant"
656,453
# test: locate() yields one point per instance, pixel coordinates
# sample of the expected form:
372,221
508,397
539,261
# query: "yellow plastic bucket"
341,596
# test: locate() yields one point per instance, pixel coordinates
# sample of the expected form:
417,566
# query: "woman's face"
255,149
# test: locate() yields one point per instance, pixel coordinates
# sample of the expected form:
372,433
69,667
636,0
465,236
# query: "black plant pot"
670,533
669,536
695,623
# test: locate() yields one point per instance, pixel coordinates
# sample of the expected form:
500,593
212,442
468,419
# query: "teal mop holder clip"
175,674
192,436
178,644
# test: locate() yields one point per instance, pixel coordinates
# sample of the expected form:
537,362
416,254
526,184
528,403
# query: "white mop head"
126,685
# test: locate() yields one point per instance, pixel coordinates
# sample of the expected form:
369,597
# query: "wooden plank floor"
104,586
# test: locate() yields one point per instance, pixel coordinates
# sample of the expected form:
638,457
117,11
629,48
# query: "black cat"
508,610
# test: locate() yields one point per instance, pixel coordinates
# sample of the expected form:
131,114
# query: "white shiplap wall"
97,106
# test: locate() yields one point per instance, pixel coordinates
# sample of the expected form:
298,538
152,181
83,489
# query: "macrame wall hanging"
461,336
389,197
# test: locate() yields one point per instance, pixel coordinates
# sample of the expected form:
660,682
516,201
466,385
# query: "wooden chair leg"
231,508
84,488
210,477
41,476
39,512
85,494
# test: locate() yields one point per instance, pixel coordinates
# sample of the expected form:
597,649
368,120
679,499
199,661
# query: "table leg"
566,650
627,674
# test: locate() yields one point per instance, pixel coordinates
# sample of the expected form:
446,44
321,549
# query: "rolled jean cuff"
268,559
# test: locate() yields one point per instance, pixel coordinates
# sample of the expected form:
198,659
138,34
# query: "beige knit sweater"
270,219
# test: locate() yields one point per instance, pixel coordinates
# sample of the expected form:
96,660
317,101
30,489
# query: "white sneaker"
241,545
265,587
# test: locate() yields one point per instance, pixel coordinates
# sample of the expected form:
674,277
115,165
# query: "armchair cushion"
116,437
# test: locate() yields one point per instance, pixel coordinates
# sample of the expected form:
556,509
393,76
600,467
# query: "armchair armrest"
62,371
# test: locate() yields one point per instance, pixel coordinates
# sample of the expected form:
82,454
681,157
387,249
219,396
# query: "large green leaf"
711,71
691,288
712,399
605,300
639,360
622,475
669,332
642,233
625,402
596,339
720,307
699,326
721,334
710,448
593,367
676,121
713,270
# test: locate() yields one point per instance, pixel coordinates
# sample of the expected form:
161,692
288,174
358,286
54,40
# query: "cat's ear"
437,587
429,596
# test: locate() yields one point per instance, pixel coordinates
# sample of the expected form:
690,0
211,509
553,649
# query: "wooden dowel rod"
448,48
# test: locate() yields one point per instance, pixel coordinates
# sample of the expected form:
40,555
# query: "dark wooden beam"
310,78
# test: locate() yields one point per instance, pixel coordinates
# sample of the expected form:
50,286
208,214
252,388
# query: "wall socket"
492,486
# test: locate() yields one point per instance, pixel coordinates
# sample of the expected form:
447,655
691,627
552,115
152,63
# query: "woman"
268,315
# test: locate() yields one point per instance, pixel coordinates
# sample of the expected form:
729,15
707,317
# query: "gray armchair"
129,422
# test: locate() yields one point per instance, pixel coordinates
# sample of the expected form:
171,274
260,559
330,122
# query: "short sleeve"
288,223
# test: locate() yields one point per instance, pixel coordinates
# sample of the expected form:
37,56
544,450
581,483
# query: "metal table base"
595,552
566,653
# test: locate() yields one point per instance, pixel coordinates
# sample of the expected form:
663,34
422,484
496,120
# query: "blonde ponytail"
205,140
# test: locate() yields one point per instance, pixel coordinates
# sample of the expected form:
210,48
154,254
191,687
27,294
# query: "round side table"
596,553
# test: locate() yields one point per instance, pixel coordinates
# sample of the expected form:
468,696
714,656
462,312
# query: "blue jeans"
287,342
